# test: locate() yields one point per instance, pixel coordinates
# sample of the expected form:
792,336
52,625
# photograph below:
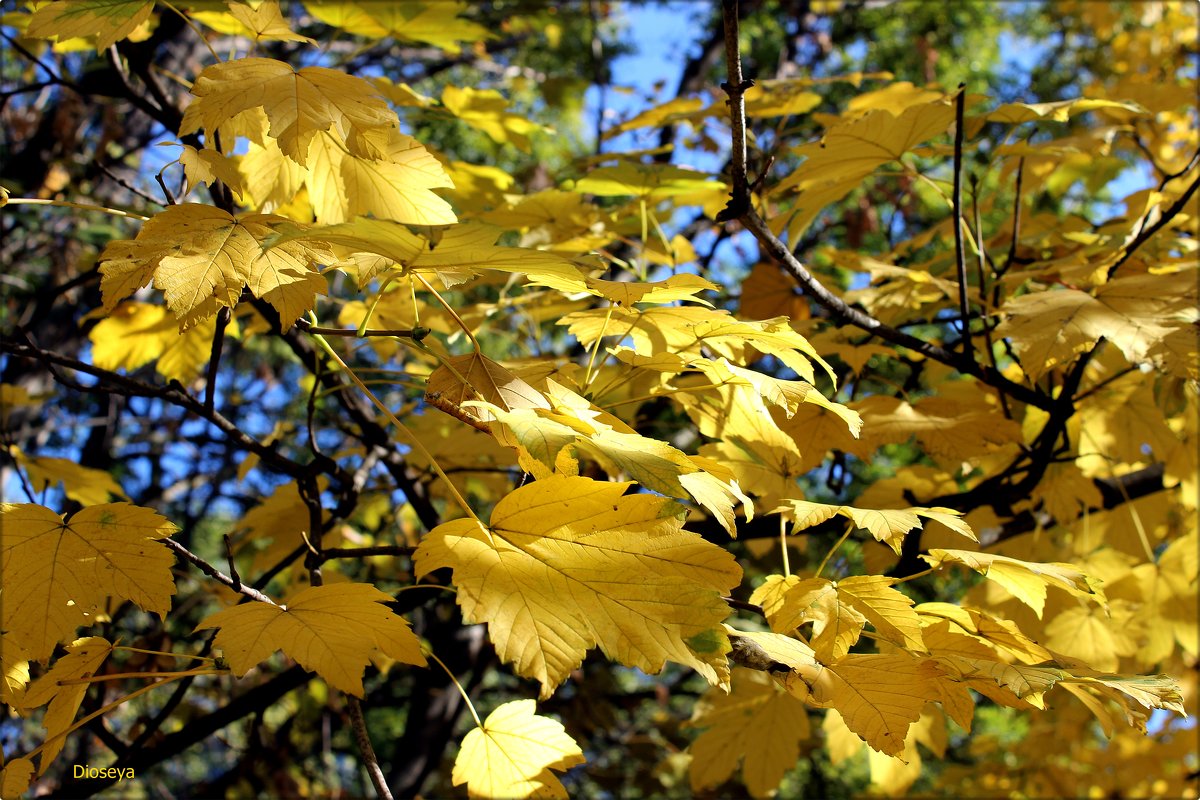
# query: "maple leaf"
14,672
1026,580
853,150
395,183
512,754
57,572
207,166
567,564
109,21
15,777
299,104
677,287
266,23
755,724
435,23
332,630
485,379
202,258
83,659
878,696
648,181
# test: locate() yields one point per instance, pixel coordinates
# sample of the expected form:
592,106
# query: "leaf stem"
783,548
120,676
162,653
832,550
188,21
37,201
587,376
400,426
457,685
450,310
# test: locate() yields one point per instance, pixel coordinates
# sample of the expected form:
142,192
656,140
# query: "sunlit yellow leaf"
486,380
888,526
109,21
332,630
134,334
1026,580
299,103
567,564
1059,111
57,573
202,258
512,755
650,181
756,724
206,166
15,777
878,696
266,23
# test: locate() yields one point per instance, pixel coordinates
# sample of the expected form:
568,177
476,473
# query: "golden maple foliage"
1084,605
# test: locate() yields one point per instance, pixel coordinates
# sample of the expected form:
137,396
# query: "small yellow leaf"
266,22
512,755
570,563
650,181
487,110
484,379
84,658
14,673
87,486
134,334
56,573
332,630
15,777
207,166
1026,580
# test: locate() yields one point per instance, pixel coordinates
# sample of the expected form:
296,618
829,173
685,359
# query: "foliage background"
554,66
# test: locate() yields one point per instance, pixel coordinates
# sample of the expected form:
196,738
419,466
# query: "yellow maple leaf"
484,379
332,630
202,258
567,564
853,150
436,23
677,287
650,181
266,22
299,104
206,166
510,757
109,21
1026,580
57,572
888,525
395,181
1058,111
756,724
790,602
15,777
84,657
878,696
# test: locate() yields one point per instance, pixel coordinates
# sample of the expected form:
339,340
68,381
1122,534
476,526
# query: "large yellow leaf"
395,182
299,104
332,630
851,151
434,22
202,258
56,574
1048,328
756,724
109,21
512,755
567,564
83,659
878,696
1026,580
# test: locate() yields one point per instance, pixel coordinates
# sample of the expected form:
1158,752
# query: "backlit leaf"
57,573
567,564
1026,580
109,21
513,754
334,631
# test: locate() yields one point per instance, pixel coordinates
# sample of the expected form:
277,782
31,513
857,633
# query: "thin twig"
1167,216
216,574
359,726
233,573
214,361
960,256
